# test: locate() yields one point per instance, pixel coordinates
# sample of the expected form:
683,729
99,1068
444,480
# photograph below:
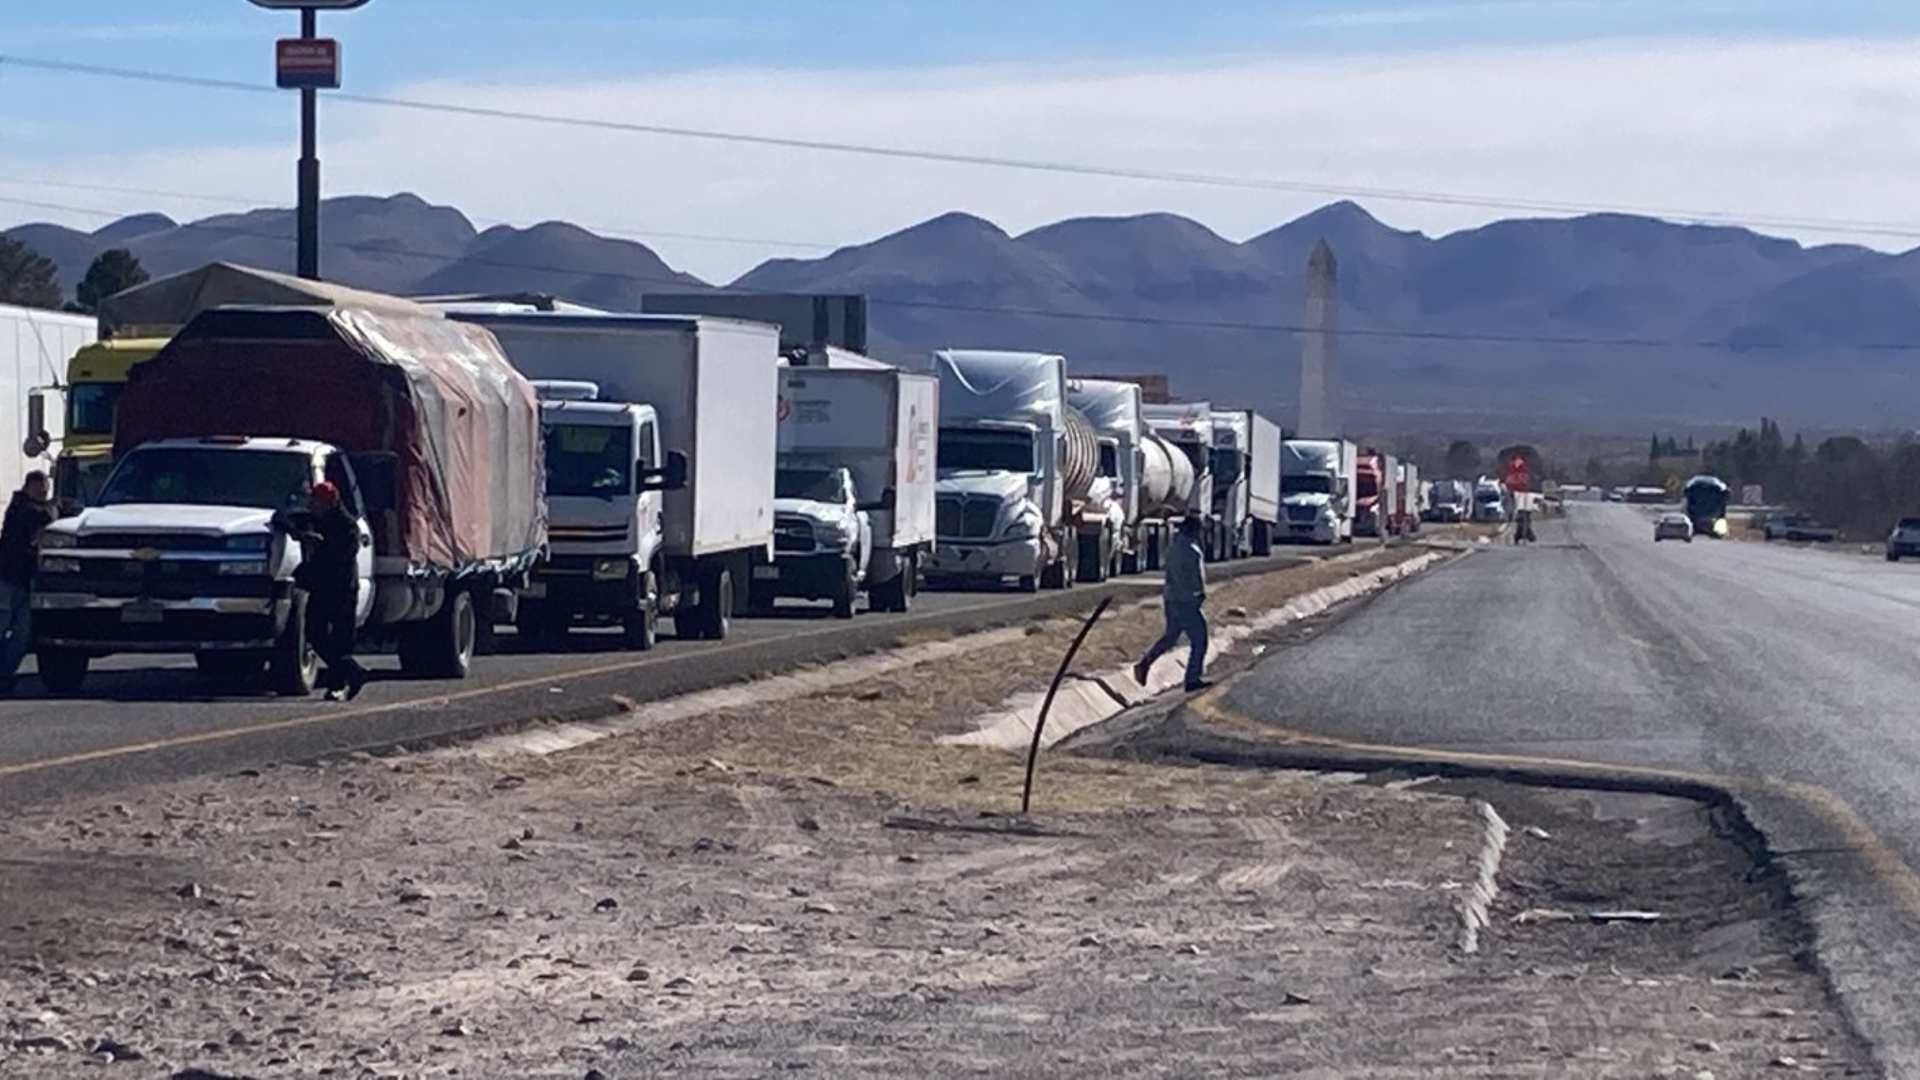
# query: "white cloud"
1782,130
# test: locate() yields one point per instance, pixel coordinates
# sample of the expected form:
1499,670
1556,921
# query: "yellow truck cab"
95,377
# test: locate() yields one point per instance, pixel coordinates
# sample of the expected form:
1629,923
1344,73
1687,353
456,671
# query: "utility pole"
308,63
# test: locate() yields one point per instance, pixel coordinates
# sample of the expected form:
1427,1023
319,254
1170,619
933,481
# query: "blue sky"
859,69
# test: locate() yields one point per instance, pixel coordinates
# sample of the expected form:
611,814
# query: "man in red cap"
329,572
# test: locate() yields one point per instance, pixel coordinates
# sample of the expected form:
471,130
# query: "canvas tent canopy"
445,433
163,305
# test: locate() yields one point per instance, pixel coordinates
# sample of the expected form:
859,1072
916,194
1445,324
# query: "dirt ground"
816,887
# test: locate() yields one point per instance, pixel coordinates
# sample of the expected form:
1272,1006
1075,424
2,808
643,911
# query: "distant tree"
110,272
1653,449
1597,473
1463,459
27,277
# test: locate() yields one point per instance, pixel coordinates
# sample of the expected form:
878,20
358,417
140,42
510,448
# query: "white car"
1904,539
1673,526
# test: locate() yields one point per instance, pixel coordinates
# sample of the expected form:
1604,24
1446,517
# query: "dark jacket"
1186,582
18,534
329,550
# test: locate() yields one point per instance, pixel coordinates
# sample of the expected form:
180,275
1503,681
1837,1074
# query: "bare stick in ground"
1040,724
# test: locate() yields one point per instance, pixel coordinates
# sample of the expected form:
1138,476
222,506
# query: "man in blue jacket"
1183,595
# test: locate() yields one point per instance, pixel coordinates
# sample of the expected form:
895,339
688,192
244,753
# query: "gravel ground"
816,887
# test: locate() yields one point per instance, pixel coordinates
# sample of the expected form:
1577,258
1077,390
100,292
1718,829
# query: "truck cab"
1232,474
1317,485
605,476
822,537
180,553
95,377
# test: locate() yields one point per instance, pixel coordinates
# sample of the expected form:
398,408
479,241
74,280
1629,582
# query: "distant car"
1797,527
1904,539
1673,526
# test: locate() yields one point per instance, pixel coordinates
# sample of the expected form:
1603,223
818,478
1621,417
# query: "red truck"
1374,507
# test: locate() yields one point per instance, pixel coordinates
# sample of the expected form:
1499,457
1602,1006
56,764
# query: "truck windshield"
1366,485
990,451
196,476
1226,466
1306,484
90,408
814,485
589,460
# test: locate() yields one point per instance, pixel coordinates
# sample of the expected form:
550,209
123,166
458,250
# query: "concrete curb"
1087,700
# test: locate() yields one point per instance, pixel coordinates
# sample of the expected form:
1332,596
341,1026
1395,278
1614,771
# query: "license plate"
136,614
536,590
766,573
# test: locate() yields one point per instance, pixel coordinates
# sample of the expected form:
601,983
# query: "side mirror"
37,440
886,502
672,477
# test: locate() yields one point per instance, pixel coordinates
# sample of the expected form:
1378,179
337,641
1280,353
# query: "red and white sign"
307,63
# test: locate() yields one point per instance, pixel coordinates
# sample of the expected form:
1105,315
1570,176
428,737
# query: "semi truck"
1375,494
854,487
95,376
1449,501
431,436
1119,538
1246,481
661,486
1489,501
1707,498
34,348
1317,482
1166,495
1011,470
1187,427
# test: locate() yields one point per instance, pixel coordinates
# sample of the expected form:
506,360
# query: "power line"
1384,194
682,282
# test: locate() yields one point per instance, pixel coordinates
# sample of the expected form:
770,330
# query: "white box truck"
35,346
1010,472
660,484
1316,489
1188,428
854,489
1246,481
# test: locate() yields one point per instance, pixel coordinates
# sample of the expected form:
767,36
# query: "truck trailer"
35,346
662,487
1117,537
1187,427
430,435
854,486
1246,481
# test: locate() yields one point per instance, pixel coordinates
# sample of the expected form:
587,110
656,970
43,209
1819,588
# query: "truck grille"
129,541
960,518
792,533
1302,513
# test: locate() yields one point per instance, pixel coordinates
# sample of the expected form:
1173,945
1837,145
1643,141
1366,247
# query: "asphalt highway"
1787,673
141,718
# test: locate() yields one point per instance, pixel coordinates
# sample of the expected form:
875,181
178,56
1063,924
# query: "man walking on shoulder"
30,511
1183,595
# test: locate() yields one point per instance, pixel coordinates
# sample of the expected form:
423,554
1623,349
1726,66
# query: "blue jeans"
16,628
1184,619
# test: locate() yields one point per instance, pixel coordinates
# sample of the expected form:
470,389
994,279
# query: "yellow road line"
1881,861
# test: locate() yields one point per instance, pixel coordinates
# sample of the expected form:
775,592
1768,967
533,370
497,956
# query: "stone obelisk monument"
1319,379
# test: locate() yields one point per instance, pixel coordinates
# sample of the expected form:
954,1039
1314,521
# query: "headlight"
1024,527
832,532
614,569
54,564
254,542
240,567
55,541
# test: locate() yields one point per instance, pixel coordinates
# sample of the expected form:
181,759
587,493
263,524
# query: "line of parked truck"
517,460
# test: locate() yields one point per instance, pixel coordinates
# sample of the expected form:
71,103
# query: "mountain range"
1591,321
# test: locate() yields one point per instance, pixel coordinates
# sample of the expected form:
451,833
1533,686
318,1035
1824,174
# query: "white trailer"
713,385
854,491
35,346
1263,486
1246,481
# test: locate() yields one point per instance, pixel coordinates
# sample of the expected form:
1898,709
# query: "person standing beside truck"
329,549
30,511
1183,596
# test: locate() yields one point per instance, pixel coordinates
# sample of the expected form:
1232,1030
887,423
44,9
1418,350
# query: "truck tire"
641,626
64,671
293,668
442,647
229,669
1028,584
714,617
845,595
1262,539
1093,560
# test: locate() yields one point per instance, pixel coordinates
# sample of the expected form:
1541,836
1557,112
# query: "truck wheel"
1262,540
442,647
715,616
845,594
1028,583
1893,556
229,668
640,629
293,667
62,670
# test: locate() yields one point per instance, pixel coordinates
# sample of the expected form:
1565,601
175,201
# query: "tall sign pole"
308,63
